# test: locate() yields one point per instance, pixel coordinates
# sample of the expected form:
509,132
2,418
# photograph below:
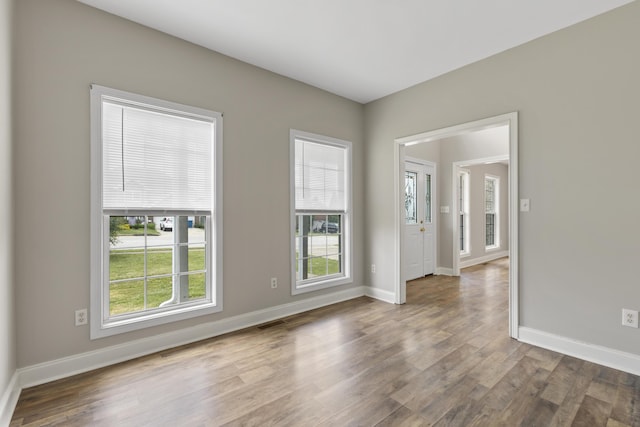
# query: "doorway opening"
448,213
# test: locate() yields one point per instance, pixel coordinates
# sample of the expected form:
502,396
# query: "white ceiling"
359,49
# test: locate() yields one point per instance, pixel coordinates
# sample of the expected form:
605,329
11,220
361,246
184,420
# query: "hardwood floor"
442,359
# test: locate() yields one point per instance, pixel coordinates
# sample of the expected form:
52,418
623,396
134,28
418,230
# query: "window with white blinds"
156,228
320,172
156,160
321,211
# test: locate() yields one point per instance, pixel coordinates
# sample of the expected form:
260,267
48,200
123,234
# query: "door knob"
422,229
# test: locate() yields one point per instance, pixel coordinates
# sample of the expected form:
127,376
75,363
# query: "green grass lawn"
137,232
321,266
128,297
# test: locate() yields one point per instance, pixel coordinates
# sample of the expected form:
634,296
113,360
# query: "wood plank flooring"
443,359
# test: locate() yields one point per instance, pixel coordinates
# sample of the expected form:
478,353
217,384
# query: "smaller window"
321,211
491,203
463,211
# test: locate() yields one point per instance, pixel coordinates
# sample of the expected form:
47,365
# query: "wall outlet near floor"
274,282
630,318
373,268
81,317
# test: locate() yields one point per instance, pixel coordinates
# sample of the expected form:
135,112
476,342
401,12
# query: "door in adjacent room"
419,220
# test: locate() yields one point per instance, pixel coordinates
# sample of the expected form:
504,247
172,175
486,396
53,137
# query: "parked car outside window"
329,227
166,224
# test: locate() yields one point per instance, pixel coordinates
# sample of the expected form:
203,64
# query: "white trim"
9,400
84,362
606,356
400,281
444,271
510,119
380,294
490,257
514,248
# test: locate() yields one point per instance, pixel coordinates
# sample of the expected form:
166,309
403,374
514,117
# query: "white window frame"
101,324
345,277
496,212
465,209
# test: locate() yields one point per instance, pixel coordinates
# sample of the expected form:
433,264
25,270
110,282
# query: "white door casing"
510,119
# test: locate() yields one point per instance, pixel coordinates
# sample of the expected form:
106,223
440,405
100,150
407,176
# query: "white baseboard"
489,257
79,363
444,271
380,294
616,359
8,400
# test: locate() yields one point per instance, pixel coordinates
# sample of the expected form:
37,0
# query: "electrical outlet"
373,268
629,318
274,282
81,317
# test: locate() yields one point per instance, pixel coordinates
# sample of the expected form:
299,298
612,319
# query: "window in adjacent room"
155,211
321,211
463,208
491,202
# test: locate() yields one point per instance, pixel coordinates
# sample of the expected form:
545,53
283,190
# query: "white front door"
419,254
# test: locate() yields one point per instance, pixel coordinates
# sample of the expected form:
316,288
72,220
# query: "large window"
491,203
321,211
156,199
463,211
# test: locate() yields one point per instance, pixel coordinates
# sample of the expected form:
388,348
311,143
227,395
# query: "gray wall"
577,95
477,210
7,324
61,47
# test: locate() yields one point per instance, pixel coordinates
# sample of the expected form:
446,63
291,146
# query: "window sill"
316,286
116,327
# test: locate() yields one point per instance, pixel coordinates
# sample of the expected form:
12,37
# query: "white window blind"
320,177
156,161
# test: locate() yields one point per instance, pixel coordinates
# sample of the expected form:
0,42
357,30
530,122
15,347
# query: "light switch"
444,209
524,205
